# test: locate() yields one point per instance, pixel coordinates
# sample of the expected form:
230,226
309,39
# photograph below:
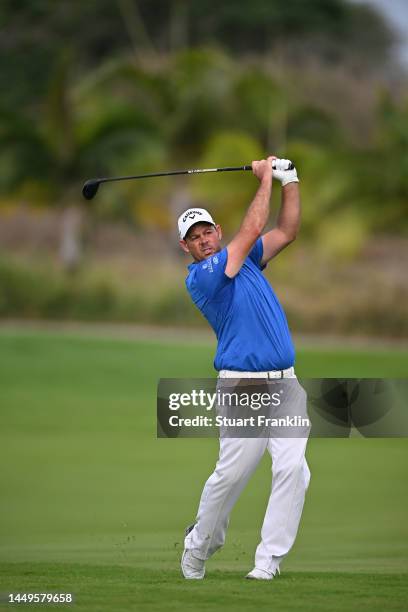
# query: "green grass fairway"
92,503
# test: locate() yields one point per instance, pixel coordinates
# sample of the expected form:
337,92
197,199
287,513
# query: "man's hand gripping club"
258,212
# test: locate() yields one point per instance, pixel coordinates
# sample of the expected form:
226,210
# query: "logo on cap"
191,214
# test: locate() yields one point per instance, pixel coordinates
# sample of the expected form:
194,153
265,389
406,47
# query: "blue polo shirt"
248,320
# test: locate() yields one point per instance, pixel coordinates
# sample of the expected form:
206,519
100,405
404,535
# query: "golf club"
91,186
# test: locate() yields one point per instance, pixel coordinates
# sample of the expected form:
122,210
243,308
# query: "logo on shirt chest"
208,265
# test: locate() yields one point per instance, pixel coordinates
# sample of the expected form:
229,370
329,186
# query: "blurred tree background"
111,87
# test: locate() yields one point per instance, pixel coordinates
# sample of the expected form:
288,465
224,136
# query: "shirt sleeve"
210,275
256,254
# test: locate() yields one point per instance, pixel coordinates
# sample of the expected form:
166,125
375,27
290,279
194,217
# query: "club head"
90,188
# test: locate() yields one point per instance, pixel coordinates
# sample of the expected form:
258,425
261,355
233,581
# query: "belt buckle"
272,372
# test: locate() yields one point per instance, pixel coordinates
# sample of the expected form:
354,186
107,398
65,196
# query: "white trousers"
238,458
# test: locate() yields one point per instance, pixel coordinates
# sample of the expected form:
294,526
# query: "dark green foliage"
102,88
36,31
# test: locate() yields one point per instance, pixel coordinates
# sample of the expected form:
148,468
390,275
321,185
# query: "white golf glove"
283,173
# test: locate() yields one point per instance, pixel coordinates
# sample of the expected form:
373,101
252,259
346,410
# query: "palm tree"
79,133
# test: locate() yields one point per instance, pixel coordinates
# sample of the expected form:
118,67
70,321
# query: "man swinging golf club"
254,341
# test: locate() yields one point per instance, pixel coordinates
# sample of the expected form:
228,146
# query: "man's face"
202,240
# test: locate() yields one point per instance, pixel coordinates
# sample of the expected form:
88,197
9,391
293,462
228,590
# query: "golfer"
254,342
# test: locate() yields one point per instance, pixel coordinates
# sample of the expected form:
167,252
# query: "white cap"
191,216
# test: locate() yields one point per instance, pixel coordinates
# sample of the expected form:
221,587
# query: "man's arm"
287,225
254,220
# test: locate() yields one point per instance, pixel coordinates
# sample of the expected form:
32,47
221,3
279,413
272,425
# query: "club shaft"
91,186
173,173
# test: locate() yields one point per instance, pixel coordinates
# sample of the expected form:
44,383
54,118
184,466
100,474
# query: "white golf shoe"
191,567
259,574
